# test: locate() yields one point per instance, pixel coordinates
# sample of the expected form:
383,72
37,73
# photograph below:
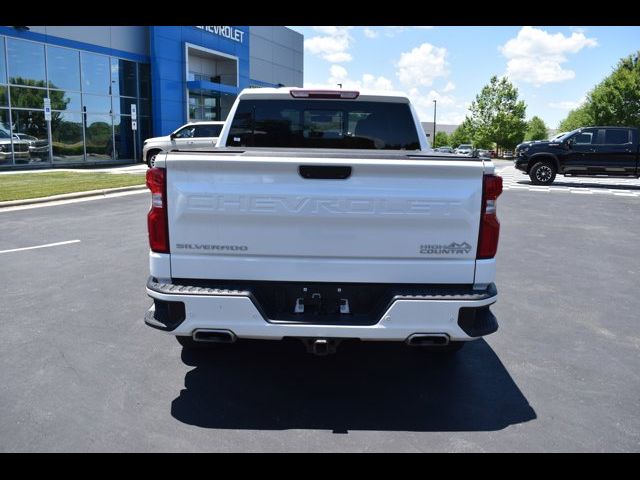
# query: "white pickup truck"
322,216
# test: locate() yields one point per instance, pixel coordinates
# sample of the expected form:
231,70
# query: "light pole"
435,103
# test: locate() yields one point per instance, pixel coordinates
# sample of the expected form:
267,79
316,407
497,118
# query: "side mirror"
172,136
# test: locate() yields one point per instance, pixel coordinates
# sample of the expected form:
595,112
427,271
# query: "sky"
552,67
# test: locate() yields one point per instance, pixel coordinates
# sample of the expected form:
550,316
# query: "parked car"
192,136
482,153
279,232
444,149
38,148
466,149
20,149
507,155
585,151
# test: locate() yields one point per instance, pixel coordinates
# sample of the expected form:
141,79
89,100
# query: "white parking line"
39,246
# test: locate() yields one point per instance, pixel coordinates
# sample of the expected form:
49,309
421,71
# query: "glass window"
95,73
30,128
186,132
3,70
122,105
5,138
616,136
145,108
63,66
324,124
99,137
23,97
207,130
144,78
66,137
586,137
144,127
123,78
61,100
96,103
4,99
26,62
124,137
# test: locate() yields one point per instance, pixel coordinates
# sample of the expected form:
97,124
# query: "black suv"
585,151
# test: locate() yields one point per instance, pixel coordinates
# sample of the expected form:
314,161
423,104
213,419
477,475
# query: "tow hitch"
321,346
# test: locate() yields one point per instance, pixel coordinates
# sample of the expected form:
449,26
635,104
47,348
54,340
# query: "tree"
579,117
497,115
616,100
462,134
441,140
536,129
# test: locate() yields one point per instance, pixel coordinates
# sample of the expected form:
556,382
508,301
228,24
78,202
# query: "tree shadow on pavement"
365,386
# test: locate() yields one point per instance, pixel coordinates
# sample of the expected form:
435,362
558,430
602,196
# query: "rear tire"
542,173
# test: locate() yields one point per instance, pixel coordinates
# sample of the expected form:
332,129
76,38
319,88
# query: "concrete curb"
65,196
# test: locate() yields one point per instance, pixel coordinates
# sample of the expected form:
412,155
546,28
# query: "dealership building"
89,95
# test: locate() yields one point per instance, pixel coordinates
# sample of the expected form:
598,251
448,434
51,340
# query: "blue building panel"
168,71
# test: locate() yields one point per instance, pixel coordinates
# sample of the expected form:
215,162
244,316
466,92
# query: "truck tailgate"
244,217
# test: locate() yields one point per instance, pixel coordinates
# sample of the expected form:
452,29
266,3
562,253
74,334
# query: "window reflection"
96,103
95,73
124,137
26,62
122,105
3,70
123,78
91,97
22,97
30,130
66,136
99,137
63,68
145,80
6,157
61,100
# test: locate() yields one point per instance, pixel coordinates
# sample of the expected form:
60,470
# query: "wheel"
151,157
542,173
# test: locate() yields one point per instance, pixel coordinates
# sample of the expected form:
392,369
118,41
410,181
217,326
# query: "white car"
464,149
192,136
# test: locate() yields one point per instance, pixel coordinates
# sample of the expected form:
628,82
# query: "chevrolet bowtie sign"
228,32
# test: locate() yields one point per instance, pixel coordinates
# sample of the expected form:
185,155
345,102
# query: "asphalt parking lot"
81,372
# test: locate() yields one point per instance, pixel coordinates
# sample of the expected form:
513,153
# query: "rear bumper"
460,313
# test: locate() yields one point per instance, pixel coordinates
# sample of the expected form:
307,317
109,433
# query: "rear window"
323,124
616,137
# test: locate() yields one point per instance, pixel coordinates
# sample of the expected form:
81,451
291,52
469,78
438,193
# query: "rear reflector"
489,224
157,217
348,94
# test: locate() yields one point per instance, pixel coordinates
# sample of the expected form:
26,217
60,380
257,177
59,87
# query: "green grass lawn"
33,185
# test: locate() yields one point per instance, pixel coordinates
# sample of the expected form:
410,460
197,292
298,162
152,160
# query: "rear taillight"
157,218
489,225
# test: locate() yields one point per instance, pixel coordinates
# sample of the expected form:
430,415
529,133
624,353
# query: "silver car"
192,136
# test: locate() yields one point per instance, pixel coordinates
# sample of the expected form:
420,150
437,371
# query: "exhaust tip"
214,336
428,340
